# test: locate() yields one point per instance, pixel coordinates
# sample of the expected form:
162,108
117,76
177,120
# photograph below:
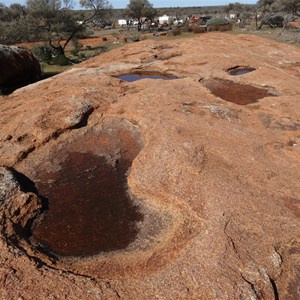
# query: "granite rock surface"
213,165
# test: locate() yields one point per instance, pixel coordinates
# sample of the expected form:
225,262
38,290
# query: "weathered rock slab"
217,181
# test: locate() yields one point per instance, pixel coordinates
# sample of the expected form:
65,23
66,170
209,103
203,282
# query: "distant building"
163,19
122,22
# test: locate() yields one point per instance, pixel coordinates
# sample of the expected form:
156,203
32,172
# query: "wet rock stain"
90,210
238,93
292,204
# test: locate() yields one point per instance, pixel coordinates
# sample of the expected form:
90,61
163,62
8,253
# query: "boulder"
18,67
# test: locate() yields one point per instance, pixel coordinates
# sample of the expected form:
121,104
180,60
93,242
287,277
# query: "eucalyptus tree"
139,9
12,27
54,21
275,10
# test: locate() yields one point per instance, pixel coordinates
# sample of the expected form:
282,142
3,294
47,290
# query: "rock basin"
131,77
89,208
240,70
238,93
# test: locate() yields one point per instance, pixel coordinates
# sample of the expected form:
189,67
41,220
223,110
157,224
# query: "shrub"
198,29
217,21
218,24
175,31
135,38
60,60
76,47
276,21
43,53
186,28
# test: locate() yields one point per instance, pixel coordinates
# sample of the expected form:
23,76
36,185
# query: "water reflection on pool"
135,77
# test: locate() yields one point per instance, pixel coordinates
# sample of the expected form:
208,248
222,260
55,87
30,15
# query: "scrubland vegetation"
60,36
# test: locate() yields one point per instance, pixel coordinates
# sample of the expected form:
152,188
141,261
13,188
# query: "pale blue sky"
156,3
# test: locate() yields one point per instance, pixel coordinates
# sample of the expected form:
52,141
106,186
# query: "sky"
157,3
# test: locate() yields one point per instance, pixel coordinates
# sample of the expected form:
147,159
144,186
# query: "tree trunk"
256,21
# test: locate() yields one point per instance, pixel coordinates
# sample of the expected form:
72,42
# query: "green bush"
135,38
217,21
60,60
43,53
276,21
76,47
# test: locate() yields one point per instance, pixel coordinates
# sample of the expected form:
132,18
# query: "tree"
55,23
273,10
13,12
138,9
291,6
11,18
234,7
241,11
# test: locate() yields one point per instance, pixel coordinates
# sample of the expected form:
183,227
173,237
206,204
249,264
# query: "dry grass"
287,36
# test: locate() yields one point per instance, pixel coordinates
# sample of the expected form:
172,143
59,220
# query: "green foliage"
12,26
218,21
276,21
276,13
43,53
275,6
138,9
12,13
51,21
292,6
135,38
76,47
60,60
234,7
97,5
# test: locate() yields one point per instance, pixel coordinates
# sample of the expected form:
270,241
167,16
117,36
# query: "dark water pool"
135,77
236,71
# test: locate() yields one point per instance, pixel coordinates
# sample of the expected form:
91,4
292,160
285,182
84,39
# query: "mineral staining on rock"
238,93
215,183
90,210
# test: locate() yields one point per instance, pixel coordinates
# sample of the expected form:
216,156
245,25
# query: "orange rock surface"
217,182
